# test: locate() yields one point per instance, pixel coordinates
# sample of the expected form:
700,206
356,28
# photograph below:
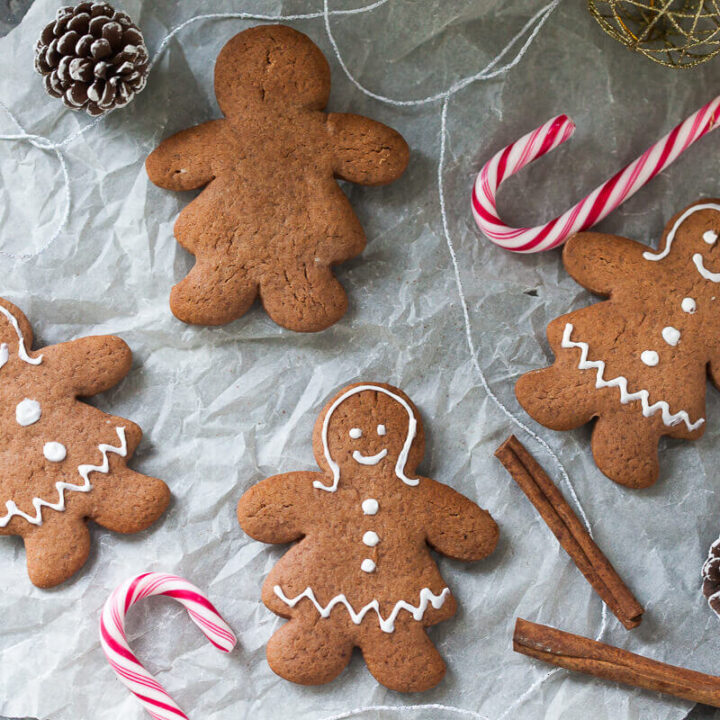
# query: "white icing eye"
650,357
688,305
381,430
710,237
355,433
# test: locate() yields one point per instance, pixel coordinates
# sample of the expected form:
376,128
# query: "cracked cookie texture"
271,221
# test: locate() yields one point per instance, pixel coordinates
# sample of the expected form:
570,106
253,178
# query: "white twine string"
488,72
407,708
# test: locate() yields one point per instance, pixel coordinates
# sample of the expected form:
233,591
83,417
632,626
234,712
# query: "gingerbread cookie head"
372,427
691,240
270,68
15,333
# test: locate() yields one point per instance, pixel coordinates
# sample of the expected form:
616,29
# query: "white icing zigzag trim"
621,382
427,597
84,470
22,352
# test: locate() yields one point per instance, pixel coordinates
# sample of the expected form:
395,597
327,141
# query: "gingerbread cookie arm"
187,160
365,151
601,262
279,509
89,365
456,526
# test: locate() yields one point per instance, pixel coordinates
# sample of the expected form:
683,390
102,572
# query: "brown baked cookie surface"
272,220
362,574
61,460
637,362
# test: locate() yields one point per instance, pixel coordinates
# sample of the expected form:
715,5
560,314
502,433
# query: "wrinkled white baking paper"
223,408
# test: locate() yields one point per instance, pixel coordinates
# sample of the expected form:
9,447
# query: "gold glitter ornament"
674,33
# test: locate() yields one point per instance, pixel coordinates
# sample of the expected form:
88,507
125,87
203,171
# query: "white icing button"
650,357
370,506
671,335
710,237
54,451
371,538
381,430
355,433
368,565
27,412
689,305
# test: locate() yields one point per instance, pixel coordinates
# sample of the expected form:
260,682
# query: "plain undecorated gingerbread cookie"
64,461
272,220
637,362
361,573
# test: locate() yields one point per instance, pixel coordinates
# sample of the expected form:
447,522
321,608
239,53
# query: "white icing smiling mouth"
700,265
358,457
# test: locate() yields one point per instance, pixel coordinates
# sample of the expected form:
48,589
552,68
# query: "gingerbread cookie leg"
404,660
625,449
213,293
56,549
308,650
303,299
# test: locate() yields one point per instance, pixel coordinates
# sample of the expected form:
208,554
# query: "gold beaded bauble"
675,33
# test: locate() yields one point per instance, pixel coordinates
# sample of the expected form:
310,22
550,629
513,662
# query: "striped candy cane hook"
128,668
598,204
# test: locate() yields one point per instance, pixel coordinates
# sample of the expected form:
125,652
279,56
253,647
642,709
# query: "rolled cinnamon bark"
569,531
584,655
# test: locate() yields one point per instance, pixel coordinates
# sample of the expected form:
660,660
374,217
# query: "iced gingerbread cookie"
61,460
637,362
362,574
272,220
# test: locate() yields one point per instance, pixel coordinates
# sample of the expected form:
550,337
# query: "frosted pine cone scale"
93,57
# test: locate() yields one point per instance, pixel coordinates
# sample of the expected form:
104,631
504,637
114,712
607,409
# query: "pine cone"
711,577
93,57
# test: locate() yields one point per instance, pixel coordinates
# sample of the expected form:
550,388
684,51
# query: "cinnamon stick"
569,531
584,655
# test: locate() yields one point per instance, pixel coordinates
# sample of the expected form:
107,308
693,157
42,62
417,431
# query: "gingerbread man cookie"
61,460
637,362
362,574
272,220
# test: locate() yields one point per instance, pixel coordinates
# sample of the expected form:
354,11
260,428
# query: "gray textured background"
12,11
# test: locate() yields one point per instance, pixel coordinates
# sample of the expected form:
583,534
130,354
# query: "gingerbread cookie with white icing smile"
61,460
639,361
362,574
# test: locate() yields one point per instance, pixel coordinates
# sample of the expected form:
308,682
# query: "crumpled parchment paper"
225,407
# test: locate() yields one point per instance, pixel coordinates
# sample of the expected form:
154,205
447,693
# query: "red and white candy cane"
128,668
601,201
